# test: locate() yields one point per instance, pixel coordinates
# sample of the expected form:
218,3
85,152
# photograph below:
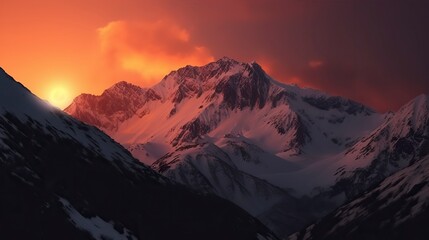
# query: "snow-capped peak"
124,88
114,105
227,59
240,84
214,71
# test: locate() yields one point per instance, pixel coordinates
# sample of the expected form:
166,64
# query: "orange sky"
59,49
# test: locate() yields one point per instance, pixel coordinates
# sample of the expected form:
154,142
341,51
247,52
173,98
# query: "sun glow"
59,96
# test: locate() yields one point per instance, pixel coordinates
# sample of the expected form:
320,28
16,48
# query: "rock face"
63,179
228,128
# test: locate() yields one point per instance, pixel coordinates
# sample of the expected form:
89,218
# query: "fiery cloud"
149,49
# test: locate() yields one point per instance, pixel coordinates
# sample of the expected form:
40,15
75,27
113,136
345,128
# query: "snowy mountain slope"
395,209
63,179
402,139
262,130
229,129
228,100
207,168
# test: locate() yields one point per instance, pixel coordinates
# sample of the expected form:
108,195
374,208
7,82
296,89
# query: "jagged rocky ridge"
117,103
228,128
63,179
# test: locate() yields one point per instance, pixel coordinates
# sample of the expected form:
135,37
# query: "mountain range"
63,179
285,154
220,151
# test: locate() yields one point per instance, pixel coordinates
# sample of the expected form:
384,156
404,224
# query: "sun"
59,96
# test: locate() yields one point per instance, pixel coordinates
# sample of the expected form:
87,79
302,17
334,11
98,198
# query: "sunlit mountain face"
285,154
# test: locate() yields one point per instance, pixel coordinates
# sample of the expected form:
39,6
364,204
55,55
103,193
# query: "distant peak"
256,65
124,84
224,64
231,62
228,60
124,88
227,64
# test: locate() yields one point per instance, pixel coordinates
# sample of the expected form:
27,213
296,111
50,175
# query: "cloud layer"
149,49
